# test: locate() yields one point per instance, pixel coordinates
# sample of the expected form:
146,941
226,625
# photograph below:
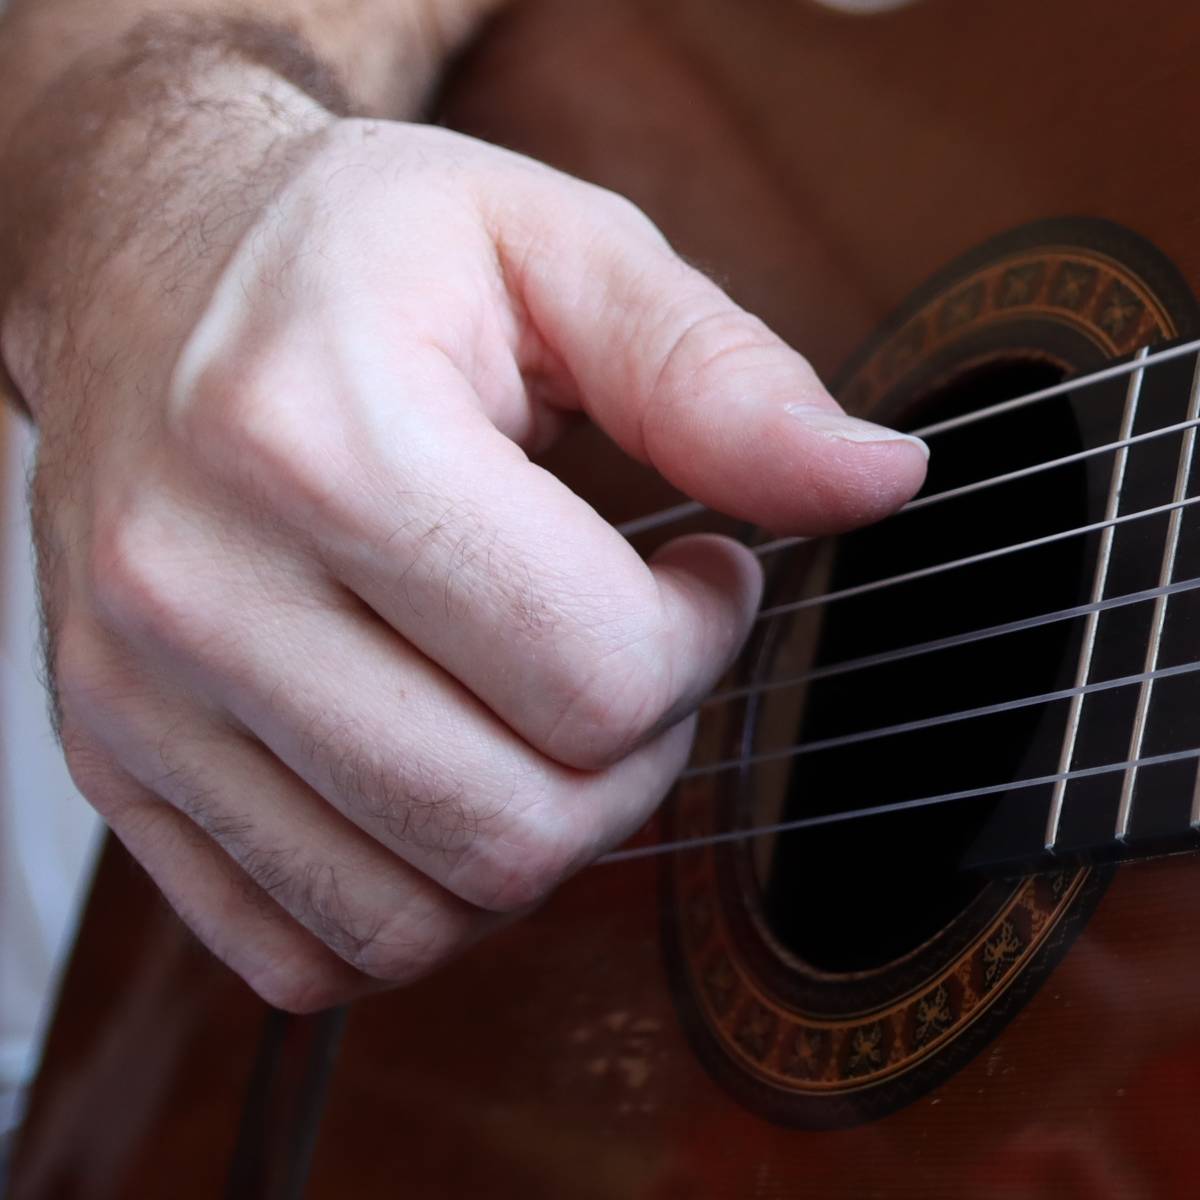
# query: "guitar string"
874,585
755,831
991,481
771,547
843,740
690,508
979,485
683,510
1050,464
1061,389
884,657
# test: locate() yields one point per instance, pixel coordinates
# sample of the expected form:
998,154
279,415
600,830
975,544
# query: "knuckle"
622,213
708,335
315,892
395,948
610,703
519,869
136,585
397,951
299,982
415,804
237,420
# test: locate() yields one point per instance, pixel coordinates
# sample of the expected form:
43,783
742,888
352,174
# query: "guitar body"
646,1035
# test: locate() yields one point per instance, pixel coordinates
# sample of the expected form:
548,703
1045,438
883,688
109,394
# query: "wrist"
149,147
128,221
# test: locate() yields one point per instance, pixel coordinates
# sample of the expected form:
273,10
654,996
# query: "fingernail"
851,429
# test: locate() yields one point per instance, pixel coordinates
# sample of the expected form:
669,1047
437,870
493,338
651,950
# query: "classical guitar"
922,917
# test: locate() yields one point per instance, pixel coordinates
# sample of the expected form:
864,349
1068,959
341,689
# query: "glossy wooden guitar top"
822,166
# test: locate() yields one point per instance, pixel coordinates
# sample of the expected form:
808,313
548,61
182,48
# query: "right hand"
306,592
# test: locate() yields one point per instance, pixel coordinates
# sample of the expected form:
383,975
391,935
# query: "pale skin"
351,676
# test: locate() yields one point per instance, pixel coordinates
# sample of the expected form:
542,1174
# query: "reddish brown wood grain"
550,1064
822,166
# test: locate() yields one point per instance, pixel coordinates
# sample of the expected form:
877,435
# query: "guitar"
922,918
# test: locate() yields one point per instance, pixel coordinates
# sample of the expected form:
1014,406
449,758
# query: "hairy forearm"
384,53
135,131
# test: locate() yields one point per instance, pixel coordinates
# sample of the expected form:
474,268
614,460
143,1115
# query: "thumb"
684,379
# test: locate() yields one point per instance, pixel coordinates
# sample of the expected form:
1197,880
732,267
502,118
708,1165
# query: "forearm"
383,53
137,130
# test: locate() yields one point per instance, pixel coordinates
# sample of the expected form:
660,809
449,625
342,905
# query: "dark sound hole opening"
858,895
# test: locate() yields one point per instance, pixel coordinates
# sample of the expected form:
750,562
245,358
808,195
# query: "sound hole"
854,896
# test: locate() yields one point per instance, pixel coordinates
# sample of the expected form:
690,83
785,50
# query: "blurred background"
48,834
